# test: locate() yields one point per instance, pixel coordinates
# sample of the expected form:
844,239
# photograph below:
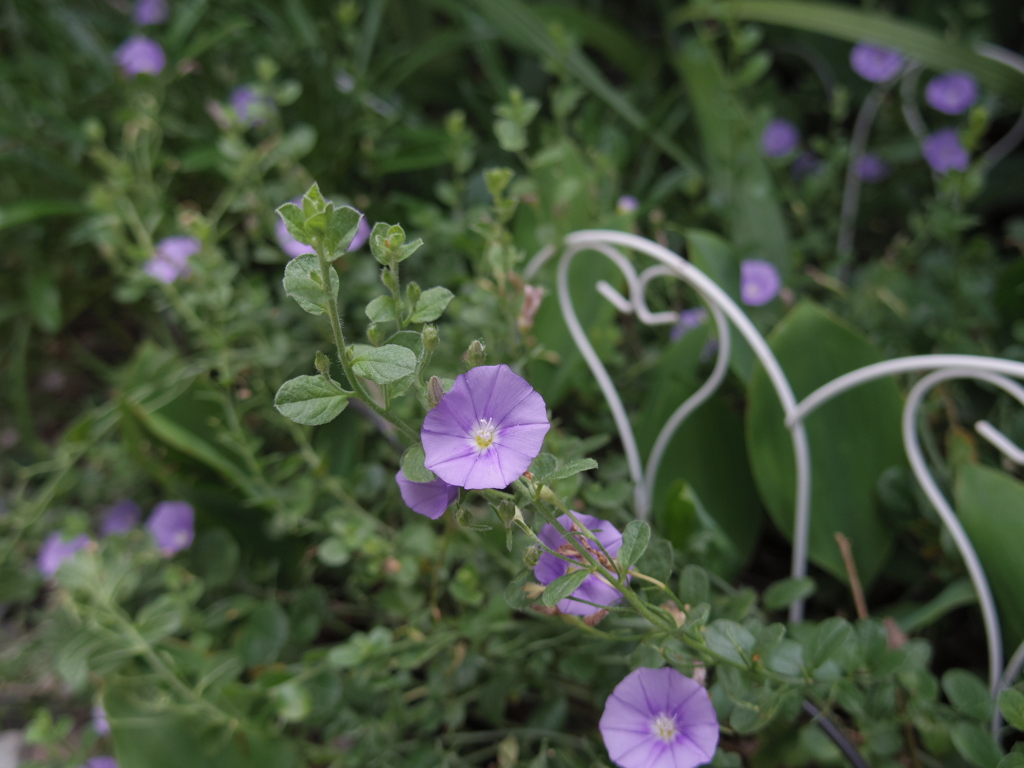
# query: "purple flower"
871,168
952,93
659,718
55,551
120,517
100,724
874,63
486,430
688,320
294,248
147,12
173,526
139,55
627,204
594,588
250,106
102,761
759,282
779,138
171,258
944,152
806,163
428,499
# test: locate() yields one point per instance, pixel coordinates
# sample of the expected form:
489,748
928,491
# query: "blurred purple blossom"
139,55
251,107
293,248
944,152
952,93
659,718
760,282
627,204
100,723
486,430
688,320
120,517
594,588
871,168
172,526
55,551
428,499
779,138
875,63
102,761
147,12
171,258
806,164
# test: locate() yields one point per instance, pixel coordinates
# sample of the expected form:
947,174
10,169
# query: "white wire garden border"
938,368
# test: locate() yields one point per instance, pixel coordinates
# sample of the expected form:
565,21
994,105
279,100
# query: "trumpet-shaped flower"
139,55
428,499
944,152
952,93
659,718
172,526
594,588
760,282
875,63
486,430
55,551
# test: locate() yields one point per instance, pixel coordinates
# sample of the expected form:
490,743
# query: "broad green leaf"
730,640
263,636
161,618
431,305
382,310
563,586
412,465
782,593
634,543
825,640
295,221
1012,760
566,470
853,439
968,694
302,281
976,745
342,225
214,557
1011,704
989,503
694,585
386,364
918,42
310,400
543,464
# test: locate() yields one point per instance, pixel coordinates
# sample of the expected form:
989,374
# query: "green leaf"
968,694
1011,704
292,701
313,201
989,503
302,281
693,585
32,210
412,465
975,745
431,305
932,48
382,310
295,220
214,557
1012,760
543,464
161,618
730,640
825,640
386,364
782,593
264,635
634,543
310,400
563,586
342,226
956,594
813,347
566,470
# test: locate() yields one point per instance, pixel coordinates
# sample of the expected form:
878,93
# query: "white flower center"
664,727
484,434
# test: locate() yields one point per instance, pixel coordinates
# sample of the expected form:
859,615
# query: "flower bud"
476,354
413,293
435,391
531,556
430,338
395,238
322,363
463,516
506,511
375,334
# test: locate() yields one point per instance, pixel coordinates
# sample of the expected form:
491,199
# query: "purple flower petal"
148,12
875,63
952,94
293,248
760,282
779,138
871,168
944,152
55,551
688,320
594,589
486,430
100,723
172,526
250,106
102,761
806,164
139,55
428,499
120,517
627,204
170,259
659,717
